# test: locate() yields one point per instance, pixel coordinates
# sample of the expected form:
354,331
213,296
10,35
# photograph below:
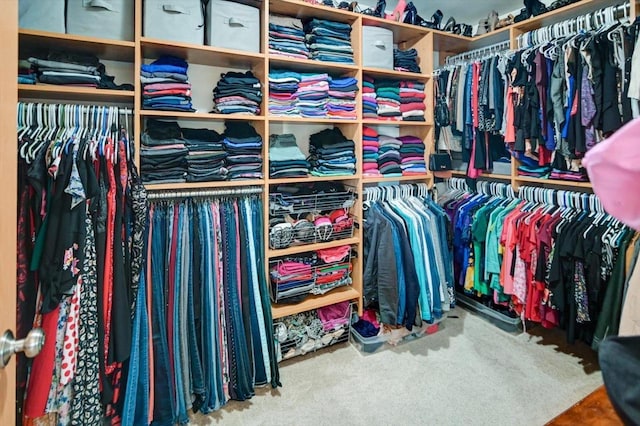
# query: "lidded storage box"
174,20
111,19
42,15
233,26
377,47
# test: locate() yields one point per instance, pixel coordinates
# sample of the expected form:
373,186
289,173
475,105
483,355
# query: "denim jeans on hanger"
178,371
136,403
163,401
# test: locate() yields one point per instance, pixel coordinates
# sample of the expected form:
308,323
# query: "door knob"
30,345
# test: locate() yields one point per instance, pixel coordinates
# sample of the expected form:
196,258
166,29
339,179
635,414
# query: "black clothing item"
158,129
204,135
620,362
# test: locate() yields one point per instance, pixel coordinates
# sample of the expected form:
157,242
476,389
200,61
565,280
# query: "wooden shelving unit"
84,94
311,247
426,41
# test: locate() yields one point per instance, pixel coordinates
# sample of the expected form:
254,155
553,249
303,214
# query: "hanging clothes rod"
590,21
377,193
478,53
164,195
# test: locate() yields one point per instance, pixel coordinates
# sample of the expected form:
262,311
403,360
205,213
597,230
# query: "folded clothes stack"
329,41
406,60
331,154
314,272
412,156
285,157
370,152
206,155
283,88
388,98
287,38
541,172
313,95
163,155
342,98
165,85
412,100
579,176
369,102
389,158
244,150
238,93
26,73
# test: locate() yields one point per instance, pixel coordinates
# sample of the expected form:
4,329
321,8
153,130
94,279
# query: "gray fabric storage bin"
233,26
111,19
174,20
377,47
42,15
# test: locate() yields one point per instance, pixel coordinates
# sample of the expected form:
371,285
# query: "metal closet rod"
165,195
471,54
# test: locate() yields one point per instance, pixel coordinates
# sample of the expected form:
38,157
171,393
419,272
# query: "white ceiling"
464,11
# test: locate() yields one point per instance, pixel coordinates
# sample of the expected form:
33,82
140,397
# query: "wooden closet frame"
427,42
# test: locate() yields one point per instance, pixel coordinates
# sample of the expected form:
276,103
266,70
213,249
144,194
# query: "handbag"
440,163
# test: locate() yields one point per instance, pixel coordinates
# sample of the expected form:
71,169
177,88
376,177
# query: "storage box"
233,26
500,320
174,20
377,47
42,15
111,19
370,345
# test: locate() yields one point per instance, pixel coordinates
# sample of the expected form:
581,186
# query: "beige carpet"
469,373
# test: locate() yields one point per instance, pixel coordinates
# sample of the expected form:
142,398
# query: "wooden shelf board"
278,119
301,9
401,32
394,179
311,178
32,42
309,65
200,54
54,92
311,247
404,75
449,42
199,115
338,295
374,122
462,173
554,182
202,185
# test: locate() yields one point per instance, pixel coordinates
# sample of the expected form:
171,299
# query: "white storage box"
233,26
111,19
377,47
174,20
42,15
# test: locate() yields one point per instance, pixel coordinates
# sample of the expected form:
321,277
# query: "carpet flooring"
469,373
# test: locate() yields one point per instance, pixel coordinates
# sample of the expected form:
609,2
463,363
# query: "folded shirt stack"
244,150
283,88
285,157
579,176
342,98
389,158
329,41
238,93
206,155
534,171
412,100
26,73
406,60
313,95
82,73
412,156
369,102
370,149
163,154
287,38
388,98
331,154
165,85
